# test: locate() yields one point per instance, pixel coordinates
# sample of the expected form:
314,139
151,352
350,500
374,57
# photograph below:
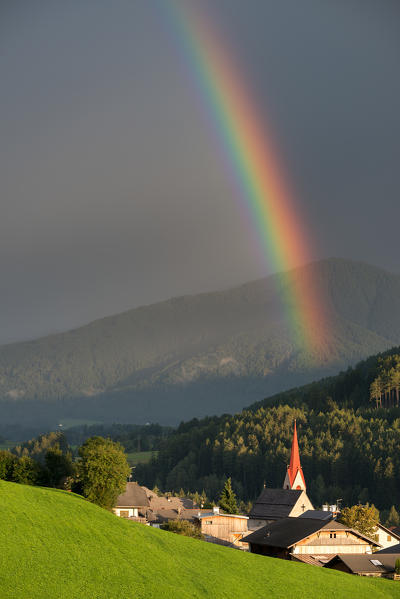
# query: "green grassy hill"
54,544
195,355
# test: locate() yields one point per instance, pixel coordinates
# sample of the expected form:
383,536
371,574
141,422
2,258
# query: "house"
391,549
365,565
224,529
133,503
386,537
147,507
219,528
290,501
308,540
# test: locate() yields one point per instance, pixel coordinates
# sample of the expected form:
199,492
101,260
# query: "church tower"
294,478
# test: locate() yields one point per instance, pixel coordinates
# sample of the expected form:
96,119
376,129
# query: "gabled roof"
285,532
389,531
274,503
134,496
167,503
288,531
364,564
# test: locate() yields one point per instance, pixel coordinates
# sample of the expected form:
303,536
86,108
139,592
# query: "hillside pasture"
54,544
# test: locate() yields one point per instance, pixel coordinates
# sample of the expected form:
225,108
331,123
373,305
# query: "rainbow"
249,150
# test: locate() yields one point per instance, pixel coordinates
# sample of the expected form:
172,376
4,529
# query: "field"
139,457
54,544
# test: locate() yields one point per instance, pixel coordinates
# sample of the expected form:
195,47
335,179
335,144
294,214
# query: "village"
282,523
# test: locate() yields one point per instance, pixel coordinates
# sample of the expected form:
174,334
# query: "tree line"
385,388
98,471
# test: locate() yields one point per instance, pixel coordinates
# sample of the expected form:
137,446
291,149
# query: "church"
290,501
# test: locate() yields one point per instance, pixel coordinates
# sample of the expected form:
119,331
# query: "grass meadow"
54,544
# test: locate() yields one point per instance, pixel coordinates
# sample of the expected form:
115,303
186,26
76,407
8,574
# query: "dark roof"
317,515
363,563
274,503
307,559
285,532
134,496
392,549
288,531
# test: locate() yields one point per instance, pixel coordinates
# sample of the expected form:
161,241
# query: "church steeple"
294,478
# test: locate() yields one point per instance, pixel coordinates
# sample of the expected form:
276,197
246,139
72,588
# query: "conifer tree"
393,518
227,500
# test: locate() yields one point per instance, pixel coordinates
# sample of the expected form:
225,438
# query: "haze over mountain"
196,355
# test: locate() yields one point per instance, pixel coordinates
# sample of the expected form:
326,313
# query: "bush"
397,566
183,527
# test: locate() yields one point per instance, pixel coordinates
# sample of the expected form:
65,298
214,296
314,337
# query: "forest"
348,444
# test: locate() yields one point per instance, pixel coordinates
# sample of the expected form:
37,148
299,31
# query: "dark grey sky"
113,193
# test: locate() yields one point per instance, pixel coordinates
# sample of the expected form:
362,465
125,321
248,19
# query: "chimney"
216,509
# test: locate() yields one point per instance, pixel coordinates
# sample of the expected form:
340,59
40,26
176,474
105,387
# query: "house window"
388,538
208,521
124,513
332,535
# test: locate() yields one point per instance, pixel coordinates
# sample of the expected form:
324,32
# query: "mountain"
56,544
201,354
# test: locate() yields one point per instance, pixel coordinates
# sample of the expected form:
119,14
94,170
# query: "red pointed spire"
295,466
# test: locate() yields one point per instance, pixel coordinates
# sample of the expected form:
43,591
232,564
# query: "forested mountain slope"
197,355
349,448
57,545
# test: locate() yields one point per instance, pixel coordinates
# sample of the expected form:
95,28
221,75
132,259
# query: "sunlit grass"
54,544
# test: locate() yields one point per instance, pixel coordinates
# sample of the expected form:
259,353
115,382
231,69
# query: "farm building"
308,540
224,529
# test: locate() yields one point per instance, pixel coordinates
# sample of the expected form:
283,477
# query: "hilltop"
55,544
196,355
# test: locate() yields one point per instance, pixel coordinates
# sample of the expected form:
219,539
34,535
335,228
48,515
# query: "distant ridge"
196,355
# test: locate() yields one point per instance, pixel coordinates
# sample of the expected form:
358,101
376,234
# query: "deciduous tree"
103,470
363,518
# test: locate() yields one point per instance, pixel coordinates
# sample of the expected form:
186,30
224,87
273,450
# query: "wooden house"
224,529
309,540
